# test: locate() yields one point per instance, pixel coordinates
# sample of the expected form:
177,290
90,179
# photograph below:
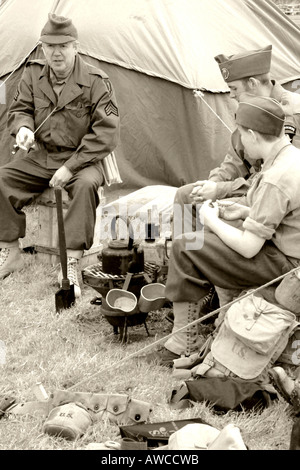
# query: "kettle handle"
129,227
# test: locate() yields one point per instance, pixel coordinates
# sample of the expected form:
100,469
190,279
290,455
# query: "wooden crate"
47,242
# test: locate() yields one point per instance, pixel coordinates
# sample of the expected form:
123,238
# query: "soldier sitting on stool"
65,116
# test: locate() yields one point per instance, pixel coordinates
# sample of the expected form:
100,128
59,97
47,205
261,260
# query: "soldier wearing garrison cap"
245,64
245,71
261,114
245,243
65,119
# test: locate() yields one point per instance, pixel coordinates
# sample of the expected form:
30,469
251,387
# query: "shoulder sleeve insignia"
111,108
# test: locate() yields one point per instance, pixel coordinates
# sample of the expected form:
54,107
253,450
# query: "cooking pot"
120,256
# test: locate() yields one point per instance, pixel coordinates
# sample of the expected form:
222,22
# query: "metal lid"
118,244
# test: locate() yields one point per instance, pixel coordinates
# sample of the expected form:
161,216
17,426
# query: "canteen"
152,297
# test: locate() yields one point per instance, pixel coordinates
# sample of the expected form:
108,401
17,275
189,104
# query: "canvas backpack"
252,337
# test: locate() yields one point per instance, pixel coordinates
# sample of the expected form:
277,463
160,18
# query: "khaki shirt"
274,199
234,175
85,125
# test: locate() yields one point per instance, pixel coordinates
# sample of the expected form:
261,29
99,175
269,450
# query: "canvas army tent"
156,53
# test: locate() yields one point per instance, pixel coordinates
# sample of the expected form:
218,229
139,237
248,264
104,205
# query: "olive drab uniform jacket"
234,175
84,125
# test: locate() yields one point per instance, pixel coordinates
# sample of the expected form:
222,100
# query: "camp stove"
102,282
105,284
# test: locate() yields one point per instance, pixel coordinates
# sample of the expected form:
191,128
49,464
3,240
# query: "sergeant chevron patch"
111,108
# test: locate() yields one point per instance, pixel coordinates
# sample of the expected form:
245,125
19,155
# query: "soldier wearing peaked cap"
65,118
263,245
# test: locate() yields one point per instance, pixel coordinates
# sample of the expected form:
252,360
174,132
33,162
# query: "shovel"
64,297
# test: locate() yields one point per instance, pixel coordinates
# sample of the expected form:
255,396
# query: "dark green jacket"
85,126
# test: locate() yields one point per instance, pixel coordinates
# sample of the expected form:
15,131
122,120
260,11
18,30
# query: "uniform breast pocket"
79,110
77,120
41,111
40,103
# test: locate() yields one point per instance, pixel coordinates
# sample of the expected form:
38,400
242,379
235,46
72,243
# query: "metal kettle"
120,256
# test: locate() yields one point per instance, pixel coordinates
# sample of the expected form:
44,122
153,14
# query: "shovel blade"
64,298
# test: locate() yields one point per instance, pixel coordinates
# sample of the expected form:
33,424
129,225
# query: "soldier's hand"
61,177
229,210
208,212
204,190
25,138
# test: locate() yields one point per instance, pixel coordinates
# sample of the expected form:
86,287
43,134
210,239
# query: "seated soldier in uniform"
267,244
248,72
65,117
245,72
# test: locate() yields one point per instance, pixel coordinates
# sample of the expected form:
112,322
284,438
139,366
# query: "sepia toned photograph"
149,228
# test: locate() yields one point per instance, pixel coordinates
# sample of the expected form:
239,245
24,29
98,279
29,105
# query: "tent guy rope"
16,147
200,95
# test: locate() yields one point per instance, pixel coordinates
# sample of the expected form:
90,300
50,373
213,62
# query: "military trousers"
23,180
200,259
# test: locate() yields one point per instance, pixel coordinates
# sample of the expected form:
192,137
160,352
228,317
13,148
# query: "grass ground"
63,350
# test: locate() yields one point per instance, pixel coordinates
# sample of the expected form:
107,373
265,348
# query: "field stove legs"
111,287
122,319
122,331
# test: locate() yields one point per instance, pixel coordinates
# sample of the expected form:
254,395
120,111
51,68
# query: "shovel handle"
61,232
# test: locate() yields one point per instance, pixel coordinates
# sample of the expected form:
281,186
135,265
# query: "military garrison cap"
58,30
261,114
245,64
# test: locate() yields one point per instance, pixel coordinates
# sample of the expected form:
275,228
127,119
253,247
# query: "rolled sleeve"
269,205
258,228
